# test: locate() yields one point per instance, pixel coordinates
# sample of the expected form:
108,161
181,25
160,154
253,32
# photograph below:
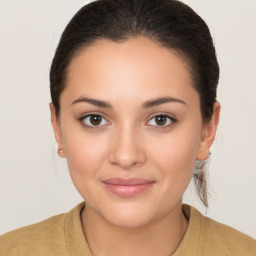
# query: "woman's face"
131,129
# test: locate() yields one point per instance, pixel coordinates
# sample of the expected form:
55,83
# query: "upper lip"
127,182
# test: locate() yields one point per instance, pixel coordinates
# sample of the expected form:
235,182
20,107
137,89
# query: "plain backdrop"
34,181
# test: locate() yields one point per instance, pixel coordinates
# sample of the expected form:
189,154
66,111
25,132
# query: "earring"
200,164
61,150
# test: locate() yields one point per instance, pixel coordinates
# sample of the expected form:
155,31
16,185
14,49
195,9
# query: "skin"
130,143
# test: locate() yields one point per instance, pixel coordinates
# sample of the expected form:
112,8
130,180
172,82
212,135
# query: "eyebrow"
159,101
95,102
147,104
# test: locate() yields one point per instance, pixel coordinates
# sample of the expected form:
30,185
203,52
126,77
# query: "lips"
127,187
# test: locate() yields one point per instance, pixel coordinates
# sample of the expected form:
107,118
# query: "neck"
161,237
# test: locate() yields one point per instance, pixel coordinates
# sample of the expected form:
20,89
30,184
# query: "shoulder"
216,236
54,236
59,235
34,237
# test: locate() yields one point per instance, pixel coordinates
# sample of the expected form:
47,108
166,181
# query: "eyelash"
171,119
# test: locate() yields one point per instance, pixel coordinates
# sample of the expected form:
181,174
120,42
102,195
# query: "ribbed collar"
190,242
77,245
75,239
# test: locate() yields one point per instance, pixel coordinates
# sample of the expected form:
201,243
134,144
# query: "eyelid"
173,120
92,126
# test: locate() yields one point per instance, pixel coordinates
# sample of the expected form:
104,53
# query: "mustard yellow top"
63,235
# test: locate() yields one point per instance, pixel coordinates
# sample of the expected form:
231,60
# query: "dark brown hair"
169,23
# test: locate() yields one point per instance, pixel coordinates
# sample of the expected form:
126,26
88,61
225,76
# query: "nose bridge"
127,149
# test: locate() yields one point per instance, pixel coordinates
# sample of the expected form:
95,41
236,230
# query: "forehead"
137,65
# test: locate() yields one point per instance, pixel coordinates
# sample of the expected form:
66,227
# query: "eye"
162,120
93,120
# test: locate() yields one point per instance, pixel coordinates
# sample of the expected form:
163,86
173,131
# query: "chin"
129,217
129,222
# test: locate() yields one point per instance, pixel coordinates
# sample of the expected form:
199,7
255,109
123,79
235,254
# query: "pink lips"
127,187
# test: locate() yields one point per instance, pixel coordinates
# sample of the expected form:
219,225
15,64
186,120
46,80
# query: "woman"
134,112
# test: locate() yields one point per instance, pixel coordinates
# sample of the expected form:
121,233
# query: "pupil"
161,120
95,120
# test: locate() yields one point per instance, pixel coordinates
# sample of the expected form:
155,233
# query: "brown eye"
93,120
161,120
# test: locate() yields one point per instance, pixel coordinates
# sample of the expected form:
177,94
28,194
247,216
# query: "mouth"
127,187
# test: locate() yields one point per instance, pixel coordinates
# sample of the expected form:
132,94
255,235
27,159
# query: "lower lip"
128,190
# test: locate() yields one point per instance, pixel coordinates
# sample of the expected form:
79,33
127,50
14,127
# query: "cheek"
85,154
176,153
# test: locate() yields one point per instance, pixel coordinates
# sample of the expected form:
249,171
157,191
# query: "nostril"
136,164
126,163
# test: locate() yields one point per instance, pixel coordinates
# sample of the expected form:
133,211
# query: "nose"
127,150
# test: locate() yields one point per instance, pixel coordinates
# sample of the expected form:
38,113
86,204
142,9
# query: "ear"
208,133
57,131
